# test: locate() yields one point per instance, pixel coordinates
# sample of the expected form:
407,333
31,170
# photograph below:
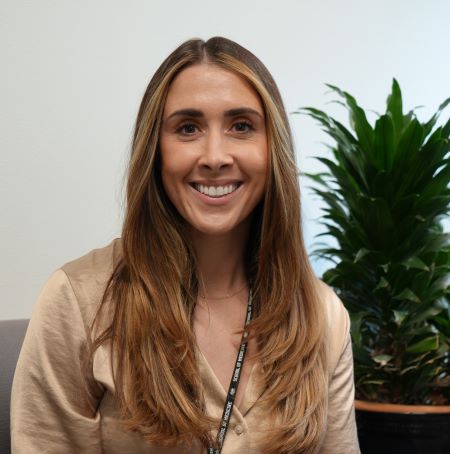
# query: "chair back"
12,333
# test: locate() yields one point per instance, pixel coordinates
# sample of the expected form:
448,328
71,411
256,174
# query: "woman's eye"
187,129
243,126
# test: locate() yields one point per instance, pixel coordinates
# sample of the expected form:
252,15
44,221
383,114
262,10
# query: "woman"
132,348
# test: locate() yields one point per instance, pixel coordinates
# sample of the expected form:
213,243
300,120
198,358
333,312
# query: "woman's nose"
216,153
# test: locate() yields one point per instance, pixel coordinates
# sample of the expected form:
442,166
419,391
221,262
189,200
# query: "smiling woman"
203,328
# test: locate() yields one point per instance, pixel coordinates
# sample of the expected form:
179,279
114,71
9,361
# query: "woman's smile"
215,191
216,195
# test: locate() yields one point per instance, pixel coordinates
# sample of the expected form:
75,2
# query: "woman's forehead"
207,85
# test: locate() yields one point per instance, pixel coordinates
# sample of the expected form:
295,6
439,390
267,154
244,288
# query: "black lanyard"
229,402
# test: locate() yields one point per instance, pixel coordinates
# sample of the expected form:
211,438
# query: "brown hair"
153,289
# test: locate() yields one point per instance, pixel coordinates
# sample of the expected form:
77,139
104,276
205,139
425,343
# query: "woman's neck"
220,261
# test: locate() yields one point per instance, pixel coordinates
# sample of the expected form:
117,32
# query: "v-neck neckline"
250,393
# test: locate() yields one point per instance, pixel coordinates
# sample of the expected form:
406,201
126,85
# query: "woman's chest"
220,344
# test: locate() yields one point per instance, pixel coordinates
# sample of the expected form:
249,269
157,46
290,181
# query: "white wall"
73,72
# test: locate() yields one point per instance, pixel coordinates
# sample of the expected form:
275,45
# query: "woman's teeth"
215,191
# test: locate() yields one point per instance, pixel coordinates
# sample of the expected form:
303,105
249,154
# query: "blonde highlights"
152,292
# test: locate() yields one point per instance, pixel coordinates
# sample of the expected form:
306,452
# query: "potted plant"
385,193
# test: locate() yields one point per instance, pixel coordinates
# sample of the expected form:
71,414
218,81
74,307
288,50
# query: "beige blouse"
50,412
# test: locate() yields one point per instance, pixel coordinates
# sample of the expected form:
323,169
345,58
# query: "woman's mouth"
216,191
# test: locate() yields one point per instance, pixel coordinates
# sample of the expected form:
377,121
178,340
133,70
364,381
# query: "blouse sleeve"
341,435
53,404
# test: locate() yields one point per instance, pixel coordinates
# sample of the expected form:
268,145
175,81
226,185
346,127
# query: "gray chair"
12,333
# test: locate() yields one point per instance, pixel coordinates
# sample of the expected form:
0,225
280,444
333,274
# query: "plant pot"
399,429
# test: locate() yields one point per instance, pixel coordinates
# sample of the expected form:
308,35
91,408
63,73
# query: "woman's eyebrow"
228,113
186,113
242,111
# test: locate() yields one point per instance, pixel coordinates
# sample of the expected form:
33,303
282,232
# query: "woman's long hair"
151,295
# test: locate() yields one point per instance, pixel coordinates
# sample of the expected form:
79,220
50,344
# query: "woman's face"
213,147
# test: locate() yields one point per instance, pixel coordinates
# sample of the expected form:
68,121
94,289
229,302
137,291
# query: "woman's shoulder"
336,313
89,274
95,267
338,323
76,288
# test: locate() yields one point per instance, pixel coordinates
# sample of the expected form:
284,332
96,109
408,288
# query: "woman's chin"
212,230
218,228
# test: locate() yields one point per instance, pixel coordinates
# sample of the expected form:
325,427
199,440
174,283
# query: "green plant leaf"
429,125
409,144
399,316
382,360
355,324
358,119
446,130
383,283
394,107
318,177
425,345
438,184
415,262
408,369
423,316
384,143
443,323
360,254
407,294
